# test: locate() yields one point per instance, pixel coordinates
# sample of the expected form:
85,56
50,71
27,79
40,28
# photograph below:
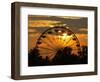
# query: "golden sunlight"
41,23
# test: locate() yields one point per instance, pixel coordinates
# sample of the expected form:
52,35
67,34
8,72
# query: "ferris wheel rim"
55,28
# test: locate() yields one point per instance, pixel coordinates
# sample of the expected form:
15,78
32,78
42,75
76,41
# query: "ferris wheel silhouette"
58,38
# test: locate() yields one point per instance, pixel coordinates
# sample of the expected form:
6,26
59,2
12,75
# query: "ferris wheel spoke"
42,52
61,41
46,48
48,43
56,41
52,56
73,47
67,41
72,44
52,40
49,52
46,51
49,55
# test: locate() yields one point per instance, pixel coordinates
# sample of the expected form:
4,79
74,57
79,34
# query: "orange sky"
36,27
33,33
82,39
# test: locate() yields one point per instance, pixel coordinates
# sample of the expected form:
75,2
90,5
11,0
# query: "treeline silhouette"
61,58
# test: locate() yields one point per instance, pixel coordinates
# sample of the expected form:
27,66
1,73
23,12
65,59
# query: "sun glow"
64,36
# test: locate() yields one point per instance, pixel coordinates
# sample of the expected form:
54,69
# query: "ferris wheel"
57,38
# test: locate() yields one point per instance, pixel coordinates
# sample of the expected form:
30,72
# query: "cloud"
32,30
70,17
83,39
41,23
83,29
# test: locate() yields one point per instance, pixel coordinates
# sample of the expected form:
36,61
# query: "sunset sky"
38,24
